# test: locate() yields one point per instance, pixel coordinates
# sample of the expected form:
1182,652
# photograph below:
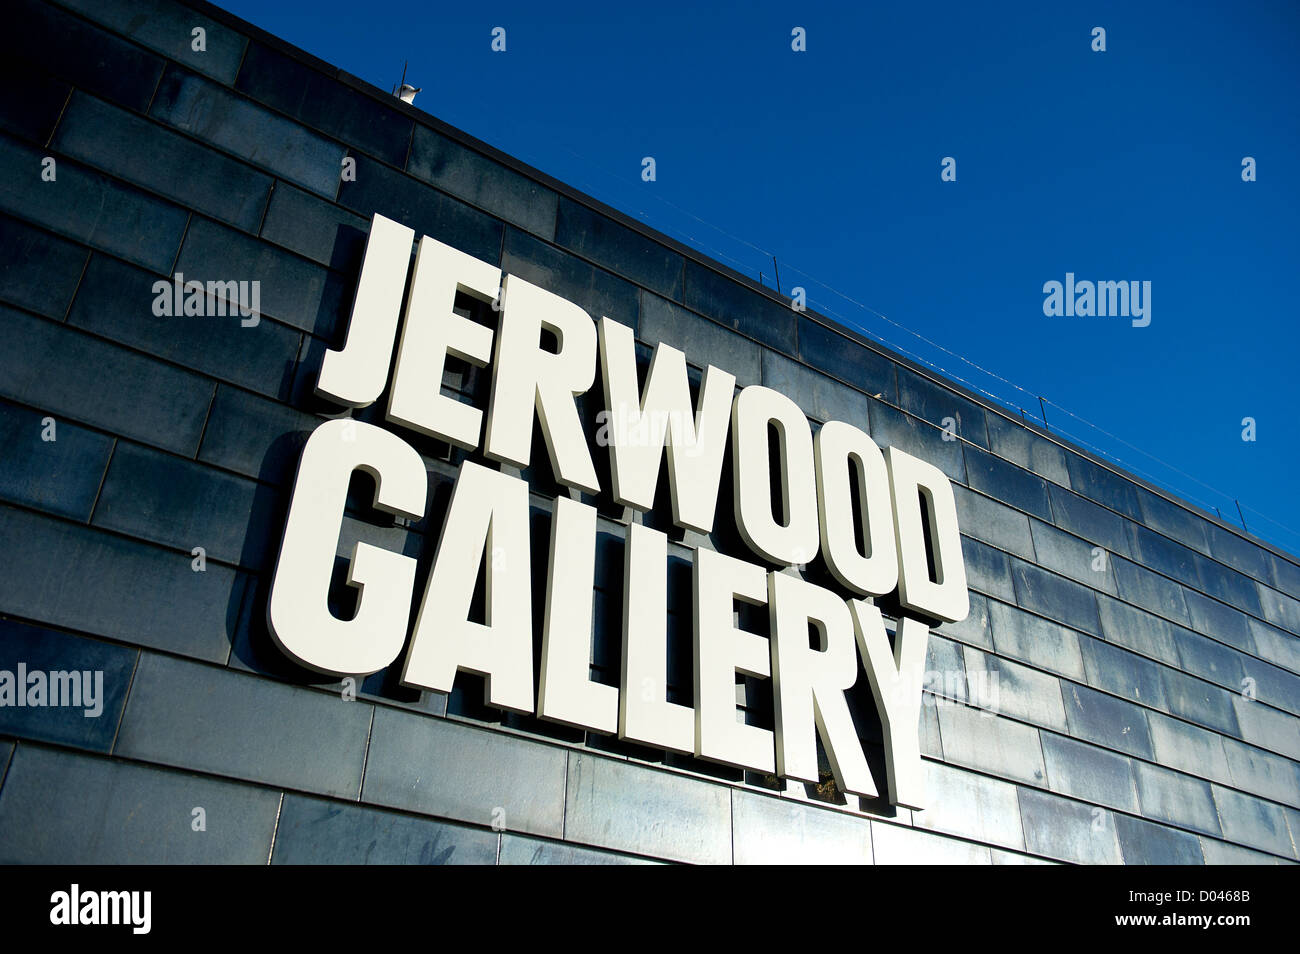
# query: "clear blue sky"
1122,165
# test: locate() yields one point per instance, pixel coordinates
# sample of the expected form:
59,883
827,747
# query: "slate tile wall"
1146,657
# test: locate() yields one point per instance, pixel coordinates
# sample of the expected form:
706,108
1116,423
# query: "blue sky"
1122,165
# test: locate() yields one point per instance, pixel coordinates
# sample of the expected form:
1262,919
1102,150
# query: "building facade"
1125,688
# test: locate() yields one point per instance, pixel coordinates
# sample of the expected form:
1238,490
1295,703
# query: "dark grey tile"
1070,831
1278,608
1286,574
935,404
989,743
1089,773
44,366
319,101
891,427
59,476
704,342
88,57
38,271
1144,843
316,229
1275,686
1176,798
994,523
1210,660
900,845
1254,823
395,195
116,301
1276,645
213,720
1122,673
1137,630
1103,486
522,850
628,807
1163,555
973,806
1223,853
1008,483
1173,521
1262,773
33,100
168,28
1237,552
769,830
90,207
178,503
840,356
438,767
316,831
1015,442
240,127
88,580
147,154
1198,701
988,569
1055,597
599,292
1035,640
1141,587
1188,748
1219,621
295,291
739,307
86,677
68,809
1086,519
1105,720
1268,727
1071,556
1018,691
974,630
1231,587
821,398
255,437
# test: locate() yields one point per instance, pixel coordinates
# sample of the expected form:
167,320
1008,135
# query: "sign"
824,492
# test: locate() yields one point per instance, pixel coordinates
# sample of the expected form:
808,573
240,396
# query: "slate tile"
439,767
739,307
68,809
293,290
1175,798
178,503
213,720
149,155
522,850
1144,843
1105,720
88,713
896,845
1103,486
1141,587
1232,587
1268,727
1237,552
821,398
117,301
973,806
1169,518
168,28
84,579
1262,773
1163,555
1286,573
149,401
1137,630
1055,597
1036,641
255,437
987,520
38,271
1089,773
702,341
1006,482
316,831
891,427
935,404
1253,823
987,569
1073,557
1279,609
90,207
90,58
1123,673
1188,748
1275,645
1070,831
316,229
1086,519
1015,442
400,197
1220,621
240,127
974,629
1199,702
1019,691
598,292
989,743
783,831
840,356
1224,853
614,804
321,102
59,476
1210,660
33,100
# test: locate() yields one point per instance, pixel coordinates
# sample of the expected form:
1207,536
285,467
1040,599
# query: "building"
1125,687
